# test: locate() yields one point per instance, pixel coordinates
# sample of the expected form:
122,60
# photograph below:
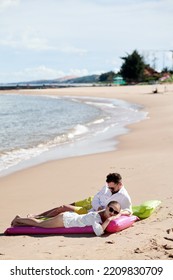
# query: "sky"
48,39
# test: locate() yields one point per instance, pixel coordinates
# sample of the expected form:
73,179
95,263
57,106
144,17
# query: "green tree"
107,77
132,70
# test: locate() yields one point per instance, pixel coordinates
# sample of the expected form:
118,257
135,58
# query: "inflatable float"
145,210
142,211
116,225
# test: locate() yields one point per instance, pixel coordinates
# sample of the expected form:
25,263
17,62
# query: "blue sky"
53,38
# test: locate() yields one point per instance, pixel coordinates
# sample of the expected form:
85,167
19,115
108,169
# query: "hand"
125,213
113,217
100,208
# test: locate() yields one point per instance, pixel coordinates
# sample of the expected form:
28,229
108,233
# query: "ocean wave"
110,105
77,130
15,156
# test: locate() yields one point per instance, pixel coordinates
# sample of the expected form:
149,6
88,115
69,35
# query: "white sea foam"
80,129
101,104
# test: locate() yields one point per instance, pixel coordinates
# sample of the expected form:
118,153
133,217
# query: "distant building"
151,73
165,77
118,80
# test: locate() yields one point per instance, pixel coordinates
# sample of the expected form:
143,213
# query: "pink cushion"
121,223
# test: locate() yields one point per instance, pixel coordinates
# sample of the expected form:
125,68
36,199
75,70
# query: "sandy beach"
144,159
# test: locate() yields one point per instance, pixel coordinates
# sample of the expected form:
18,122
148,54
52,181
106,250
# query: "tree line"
133,70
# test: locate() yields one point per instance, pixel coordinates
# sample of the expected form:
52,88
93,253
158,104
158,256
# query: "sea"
36,129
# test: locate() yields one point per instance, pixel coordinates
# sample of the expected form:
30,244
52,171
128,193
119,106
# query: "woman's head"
113,208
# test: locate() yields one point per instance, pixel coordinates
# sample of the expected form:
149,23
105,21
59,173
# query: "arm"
125,212
100,228
125,202
96,202
107,221
126,207
55,211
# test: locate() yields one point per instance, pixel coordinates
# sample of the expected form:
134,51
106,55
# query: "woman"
98,220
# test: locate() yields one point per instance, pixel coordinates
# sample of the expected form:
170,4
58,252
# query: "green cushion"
144,210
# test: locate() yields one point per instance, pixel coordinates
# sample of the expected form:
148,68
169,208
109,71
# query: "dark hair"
113,177
116,203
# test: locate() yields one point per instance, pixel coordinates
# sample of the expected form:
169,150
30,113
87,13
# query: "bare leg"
54,222
54,212
14,220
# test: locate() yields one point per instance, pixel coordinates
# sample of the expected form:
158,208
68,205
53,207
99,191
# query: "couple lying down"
98,220
96,211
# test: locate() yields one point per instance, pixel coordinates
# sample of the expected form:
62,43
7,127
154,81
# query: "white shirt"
72,219
104,196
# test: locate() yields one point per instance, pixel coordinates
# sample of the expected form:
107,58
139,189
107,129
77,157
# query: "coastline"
143,158
102,120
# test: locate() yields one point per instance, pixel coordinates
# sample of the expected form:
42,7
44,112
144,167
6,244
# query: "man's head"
114,182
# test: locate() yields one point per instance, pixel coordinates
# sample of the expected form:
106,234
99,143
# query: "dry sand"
143,157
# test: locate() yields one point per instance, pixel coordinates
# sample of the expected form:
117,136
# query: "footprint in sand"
110,242
167,247
169,230
138,251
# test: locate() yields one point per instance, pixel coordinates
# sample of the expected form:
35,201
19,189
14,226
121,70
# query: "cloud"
74,50
40,73
40,44
4,4
30,74
78,72
26,40
30,40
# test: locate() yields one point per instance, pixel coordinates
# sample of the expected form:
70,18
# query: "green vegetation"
107,77
134,70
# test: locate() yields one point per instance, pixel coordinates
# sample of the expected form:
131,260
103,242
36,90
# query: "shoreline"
97,138
143,158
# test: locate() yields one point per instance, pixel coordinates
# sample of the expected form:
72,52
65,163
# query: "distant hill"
64,80
84,79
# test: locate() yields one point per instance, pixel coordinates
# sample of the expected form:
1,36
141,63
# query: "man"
112,191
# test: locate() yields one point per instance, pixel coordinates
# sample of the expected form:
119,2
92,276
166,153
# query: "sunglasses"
111,210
